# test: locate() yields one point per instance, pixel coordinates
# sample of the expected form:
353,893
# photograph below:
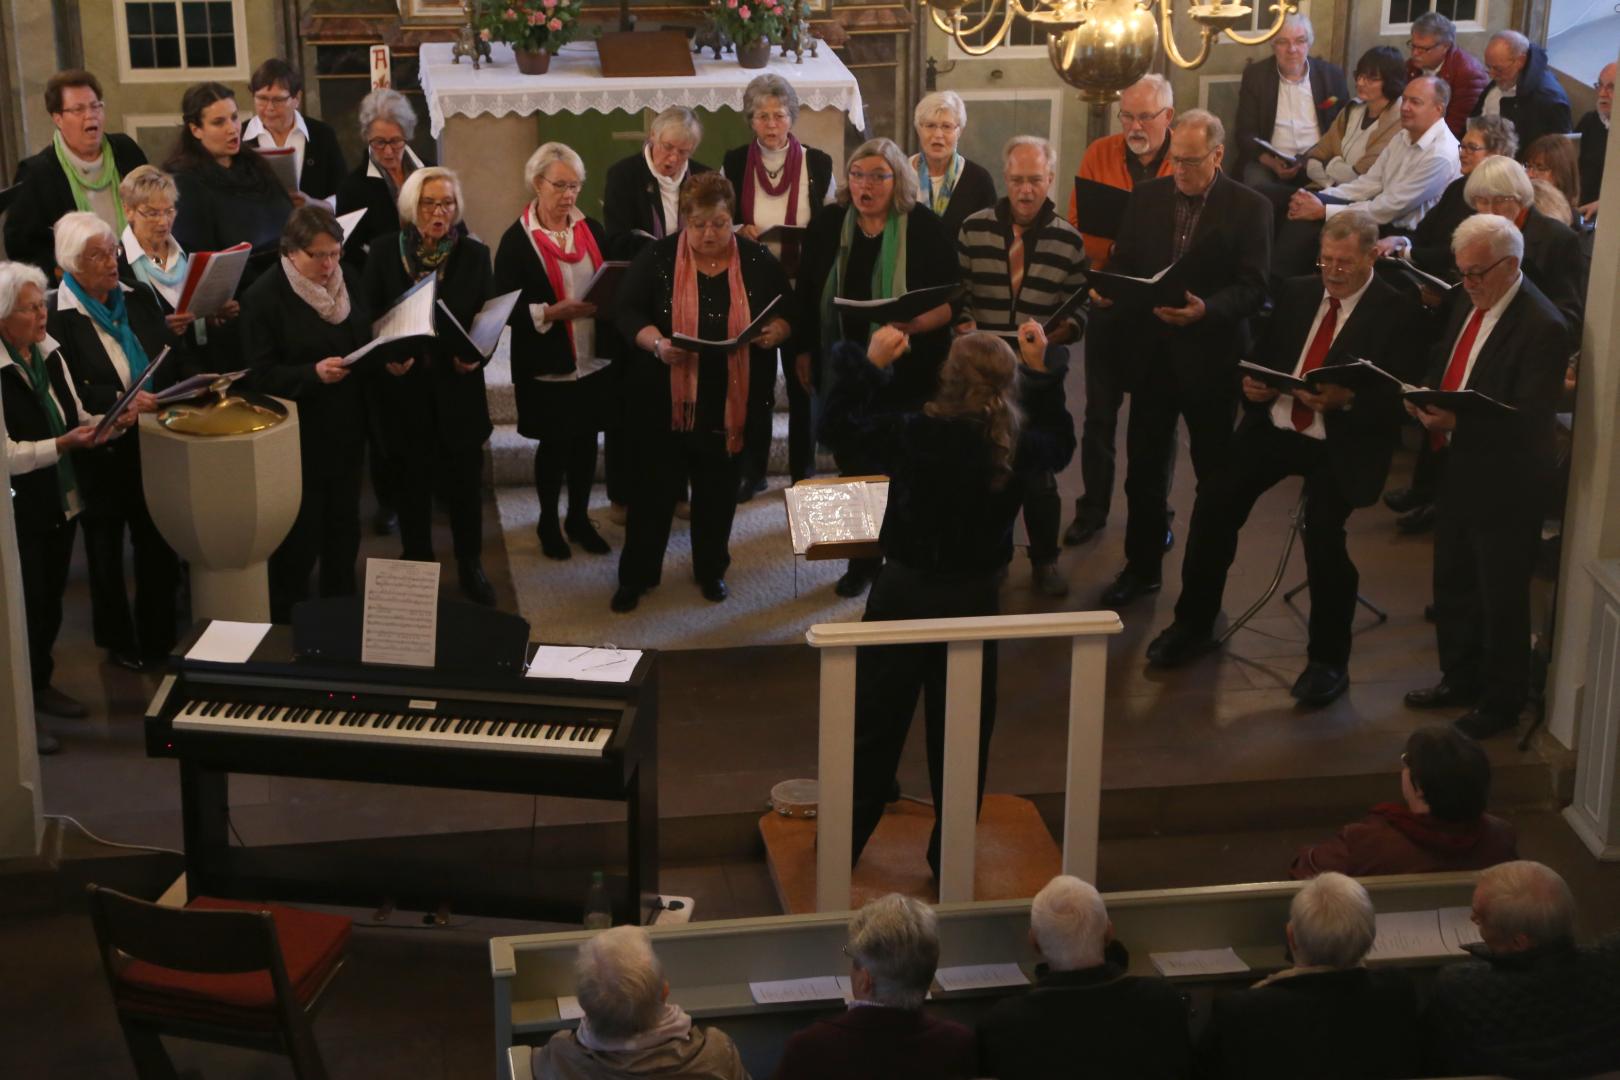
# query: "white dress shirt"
1494,96
1493,315
1296,129
1407,179
1282,410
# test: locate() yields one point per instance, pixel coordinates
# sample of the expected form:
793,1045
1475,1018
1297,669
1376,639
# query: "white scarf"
669,191
330,301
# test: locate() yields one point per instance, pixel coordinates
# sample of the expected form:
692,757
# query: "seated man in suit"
1327,1016
1343,313
1083,1013
1532,1003
884,1034
1523,88
1594,132
1289,104
1509,343
1180,359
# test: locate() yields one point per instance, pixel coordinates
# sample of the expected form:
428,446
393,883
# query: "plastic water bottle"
598,911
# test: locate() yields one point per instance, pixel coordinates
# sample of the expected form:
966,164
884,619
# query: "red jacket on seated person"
877,1042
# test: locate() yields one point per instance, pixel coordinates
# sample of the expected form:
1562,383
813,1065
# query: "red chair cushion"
312,944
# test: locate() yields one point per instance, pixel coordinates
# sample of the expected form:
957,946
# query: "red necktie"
1459,364
1303,415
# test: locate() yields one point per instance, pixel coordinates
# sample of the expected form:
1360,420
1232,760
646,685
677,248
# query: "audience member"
641,193
1361,131
1020,262
1182,358
1407,179
1339,438
630,1027
279,122
1433,43
1440,826
1429,245
109,334
884,1034
1594,132
947,183
1555,160
1508,343
780,182
1523,88
1138,153
1553,259
1327,1016
1084,1015
1533,1004
387,125
1288,103
80,170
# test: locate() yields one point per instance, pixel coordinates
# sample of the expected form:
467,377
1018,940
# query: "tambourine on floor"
1015,856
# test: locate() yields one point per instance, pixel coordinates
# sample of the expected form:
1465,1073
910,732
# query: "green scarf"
888,279
39,377
81,190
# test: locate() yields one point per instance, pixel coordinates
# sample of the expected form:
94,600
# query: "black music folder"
1422,279
1357,375
1099,207
1287,159
604,284
1167,288
1072,308
903,308
1461,402
753,330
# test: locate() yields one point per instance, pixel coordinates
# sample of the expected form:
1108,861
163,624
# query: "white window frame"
1206,81
1053,135
127,72
1477,25
1262,10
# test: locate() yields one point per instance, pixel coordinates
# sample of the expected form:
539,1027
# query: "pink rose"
536,18
510,14
743,12
550,4
555,24
731,4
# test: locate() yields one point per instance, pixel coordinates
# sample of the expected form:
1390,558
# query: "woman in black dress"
434,415
686,411
956,469
878,241
560,349
299,321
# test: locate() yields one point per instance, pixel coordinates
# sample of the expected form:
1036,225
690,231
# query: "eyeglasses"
101,255
856,176
1485,203
1142,119
331,255
569,187
1336,266
1502,71
1027,181
721,224
939,127
93,108
777,117
676,149
380,145
1190,162
1416,48
1477,276
150,214
437,206
1604,87
277,100
1472,148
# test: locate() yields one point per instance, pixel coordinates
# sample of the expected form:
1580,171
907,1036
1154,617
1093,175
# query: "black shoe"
1418,521
1405,500
1440,696
1126,587
45,744
1177,644
1479,724
475,585
1169,539
53,701
748,487
714,590
552,544
1083,528
583,533
1320,684
853,583
384,521
625,599
1047,579
128,660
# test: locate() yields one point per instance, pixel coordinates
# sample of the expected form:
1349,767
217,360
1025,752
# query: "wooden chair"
224,971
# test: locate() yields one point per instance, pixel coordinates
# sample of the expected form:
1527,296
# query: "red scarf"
788,182
1430,833
552,257
683,377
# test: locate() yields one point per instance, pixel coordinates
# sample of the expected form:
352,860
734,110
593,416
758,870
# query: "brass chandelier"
1103,46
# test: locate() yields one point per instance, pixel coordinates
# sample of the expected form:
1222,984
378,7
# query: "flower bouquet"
755,25
535,29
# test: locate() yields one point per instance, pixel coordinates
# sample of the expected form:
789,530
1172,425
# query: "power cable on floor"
103,841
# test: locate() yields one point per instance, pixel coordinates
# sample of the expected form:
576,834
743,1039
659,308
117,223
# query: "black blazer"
324,167
1556,262
362,191
1257,105
1357,1024
974,191
1594,145
1538,105
1234,234
1431,240
36,500
45,196
1382,329
219,208
630,201
1496,462
432,399
819,165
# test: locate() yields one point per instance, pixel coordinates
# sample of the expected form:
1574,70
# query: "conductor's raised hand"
397,369
1032,345
569,310
331,370
888,344
773,333
1257,391
1182,316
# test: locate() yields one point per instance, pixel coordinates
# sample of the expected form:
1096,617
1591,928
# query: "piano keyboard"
414,728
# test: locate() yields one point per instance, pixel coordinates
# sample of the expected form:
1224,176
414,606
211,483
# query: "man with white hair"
1508,343
1020,262
1289,102
1594,132
1084,1015
631,1028
1523,88
1532,1003
884,1034
1329,1015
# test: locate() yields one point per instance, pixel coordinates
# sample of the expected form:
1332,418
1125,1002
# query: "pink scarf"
683,377
552,256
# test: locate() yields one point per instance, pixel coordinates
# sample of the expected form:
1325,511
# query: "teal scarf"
938,200
39,377
113,318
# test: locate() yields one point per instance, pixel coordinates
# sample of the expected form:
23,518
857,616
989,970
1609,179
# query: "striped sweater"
1054,267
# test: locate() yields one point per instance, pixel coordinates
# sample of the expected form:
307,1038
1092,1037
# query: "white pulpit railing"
964,640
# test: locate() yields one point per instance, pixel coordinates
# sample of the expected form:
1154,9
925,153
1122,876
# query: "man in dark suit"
1594,132
1084,1015
1290,104
1339,440
1523,89
1510,344
640,192
1181,358
80,170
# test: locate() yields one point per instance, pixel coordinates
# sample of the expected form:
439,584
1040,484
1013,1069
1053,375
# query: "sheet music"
212,278
488,323
192,387
791,991
584,663
1198,962
980,976
411,316
401,622
1405,935
348,221
753,330
283,161
127,399
835,513
227,642
1457,928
